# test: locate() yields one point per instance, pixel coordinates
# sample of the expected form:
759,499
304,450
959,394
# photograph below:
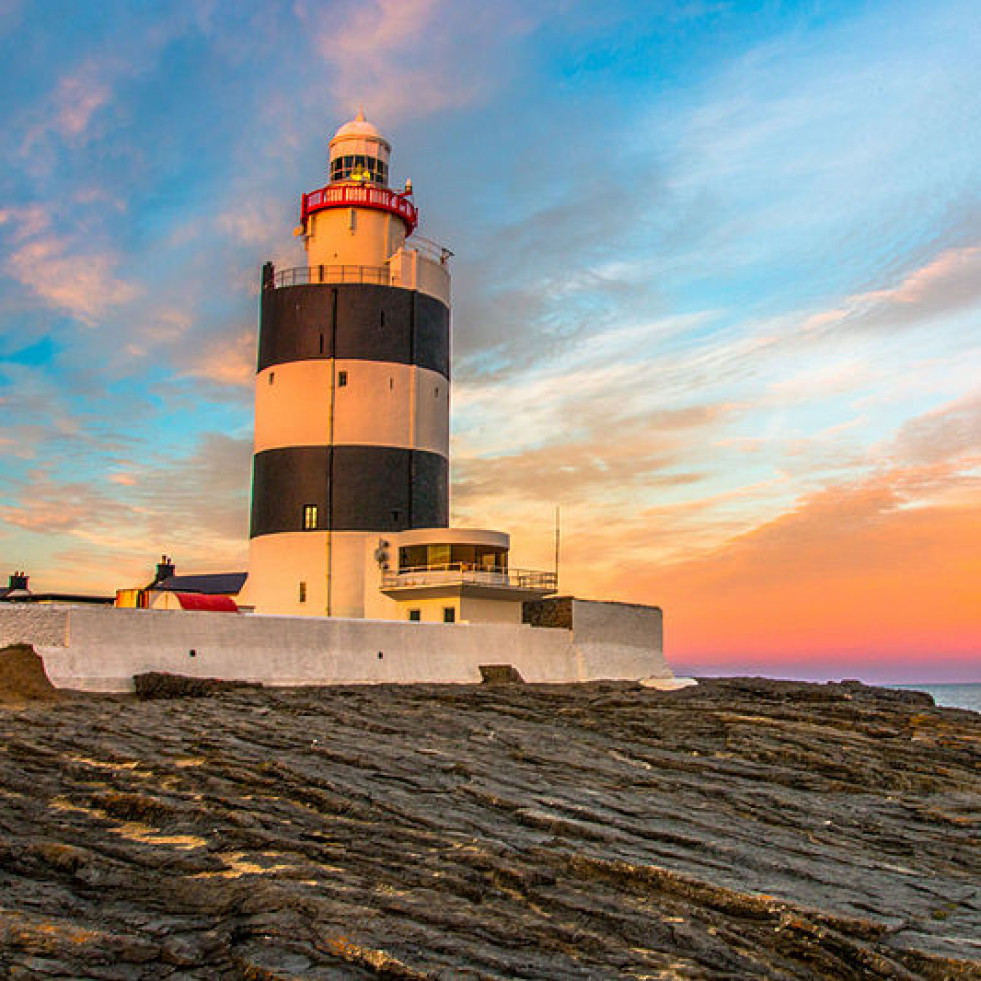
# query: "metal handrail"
423,575
431,250
307,275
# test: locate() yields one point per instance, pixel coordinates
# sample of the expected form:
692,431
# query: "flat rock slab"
739,829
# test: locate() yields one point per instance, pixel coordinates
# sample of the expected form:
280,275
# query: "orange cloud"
849,571
229,362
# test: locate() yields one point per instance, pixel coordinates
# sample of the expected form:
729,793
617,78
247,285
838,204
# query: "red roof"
201,601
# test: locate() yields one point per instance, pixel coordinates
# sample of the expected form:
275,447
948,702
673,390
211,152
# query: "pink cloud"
402,58
948,283
78,99
59,271
229,362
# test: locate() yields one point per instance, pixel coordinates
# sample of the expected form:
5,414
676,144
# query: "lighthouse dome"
358,152
358,127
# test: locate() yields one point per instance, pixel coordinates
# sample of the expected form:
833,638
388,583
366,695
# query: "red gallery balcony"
362,196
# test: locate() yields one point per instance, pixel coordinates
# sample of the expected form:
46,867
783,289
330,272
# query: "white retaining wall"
100,649
624,634
33,623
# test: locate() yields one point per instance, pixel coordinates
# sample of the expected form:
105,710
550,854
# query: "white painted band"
342,402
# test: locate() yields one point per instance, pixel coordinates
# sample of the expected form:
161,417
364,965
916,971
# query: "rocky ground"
741,829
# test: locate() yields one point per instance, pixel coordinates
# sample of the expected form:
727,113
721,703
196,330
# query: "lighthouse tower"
352,390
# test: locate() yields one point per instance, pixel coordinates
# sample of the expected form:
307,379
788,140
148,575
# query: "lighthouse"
350,489
350,496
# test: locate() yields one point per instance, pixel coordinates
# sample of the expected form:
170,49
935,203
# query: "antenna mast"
556,546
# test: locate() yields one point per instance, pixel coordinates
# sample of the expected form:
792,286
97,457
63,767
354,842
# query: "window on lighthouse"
359,168
309,517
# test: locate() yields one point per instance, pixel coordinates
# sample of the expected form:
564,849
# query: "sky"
716,284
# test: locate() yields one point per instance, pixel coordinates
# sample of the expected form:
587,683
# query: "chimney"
165,569
18,580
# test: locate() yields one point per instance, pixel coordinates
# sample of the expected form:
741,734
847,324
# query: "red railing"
361,196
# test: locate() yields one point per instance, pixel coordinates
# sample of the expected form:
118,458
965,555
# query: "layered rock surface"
743,828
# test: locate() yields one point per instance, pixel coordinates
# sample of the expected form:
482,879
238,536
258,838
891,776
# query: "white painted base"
104,647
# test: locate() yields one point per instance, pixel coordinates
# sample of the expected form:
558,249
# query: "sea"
951,695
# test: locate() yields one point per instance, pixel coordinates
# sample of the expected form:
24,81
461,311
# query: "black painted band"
354,488
360,322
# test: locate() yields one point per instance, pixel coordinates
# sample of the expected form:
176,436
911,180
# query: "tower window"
415,615
341,379
272,377
309,517
436,392
303,592
449,614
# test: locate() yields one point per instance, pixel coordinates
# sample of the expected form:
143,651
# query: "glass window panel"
439,554
412,556
464,554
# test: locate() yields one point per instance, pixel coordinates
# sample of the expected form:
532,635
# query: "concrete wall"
476,609
430,608
555,611
618,636
412,270
33,623
105,647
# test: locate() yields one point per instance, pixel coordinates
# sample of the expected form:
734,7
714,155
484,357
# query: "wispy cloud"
61,270
229,362
945,285
138,511
408,58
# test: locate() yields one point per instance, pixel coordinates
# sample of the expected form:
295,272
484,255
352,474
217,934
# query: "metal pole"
556,546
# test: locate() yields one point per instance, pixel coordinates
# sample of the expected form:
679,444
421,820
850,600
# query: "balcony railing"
432,250
345,195
463,573
305,275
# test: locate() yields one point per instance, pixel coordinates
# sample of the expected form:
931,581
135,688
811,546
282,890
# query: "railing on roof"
464,573
431,250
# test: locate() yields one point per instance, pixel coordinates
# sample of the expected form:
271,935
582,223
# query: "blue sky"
717,288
